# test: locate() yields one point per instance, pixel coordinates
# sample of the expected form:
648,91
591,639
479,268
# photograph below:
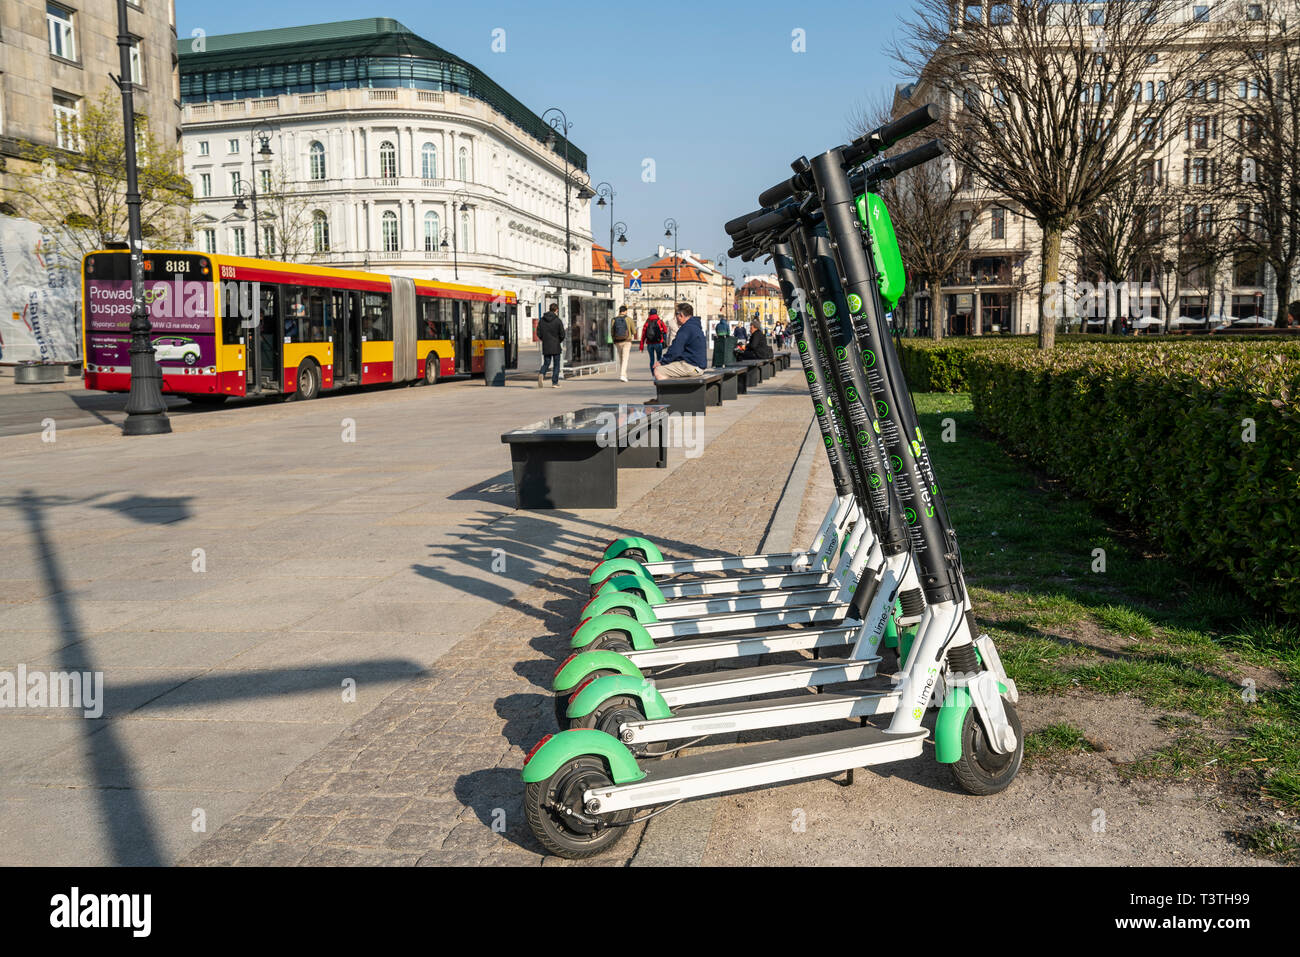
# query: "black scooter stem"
933,540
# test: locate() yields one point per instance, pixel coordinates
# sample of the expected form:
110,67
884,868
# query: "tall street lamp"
560,123
459,204
670,229
262,132
446,231
145,410
605,191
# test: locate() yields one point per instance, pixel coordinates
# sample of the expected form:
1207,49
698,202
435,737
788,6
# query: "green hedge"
1156,433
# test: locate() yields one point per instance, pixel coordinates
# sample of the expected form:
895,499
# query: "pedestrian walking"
622,333
550,329
653,335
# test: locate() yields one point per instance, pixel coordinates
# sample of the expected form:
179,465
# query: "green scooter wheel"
558,819
980,770
612,713
562,700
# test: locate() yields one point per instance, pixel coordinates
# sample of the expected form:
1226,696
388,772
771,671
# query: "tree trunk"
1282,288
936,309
1049,277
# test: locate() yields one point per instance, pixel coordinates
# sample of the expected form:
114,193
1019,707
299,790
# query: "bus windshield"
178,293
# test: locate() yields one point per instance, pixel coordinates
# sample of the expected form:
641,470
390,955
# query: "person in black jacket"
757,347
550,329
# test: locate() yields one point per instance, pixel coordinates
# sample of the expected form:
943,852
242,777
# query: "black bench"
783,359
572,460
757,370
733,383
690,393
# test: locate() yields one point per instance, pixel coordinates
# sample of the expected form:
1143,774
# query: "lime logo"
855,302
868,358
911,515
852,394
812,377
810,309
917,714
803,346
875,480
916,448
863,438
828,309
841,354
896,463
827,440
794,314
819,408
882,408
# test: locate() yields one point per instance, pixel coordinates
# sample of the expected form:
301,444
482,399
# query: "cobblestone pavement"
431,775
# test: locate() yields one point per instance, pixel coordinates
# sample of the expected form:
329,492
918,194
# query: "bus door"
512,342
463,330
354,334
341,336
269,345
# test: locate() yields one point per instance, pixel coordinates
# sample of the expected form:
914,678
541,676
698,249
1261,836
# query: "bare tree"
1261,60
1046,99
80,187
287,210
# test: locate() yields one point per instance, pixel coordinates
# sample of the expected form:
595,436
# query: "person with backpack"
550,329
653,335
621,332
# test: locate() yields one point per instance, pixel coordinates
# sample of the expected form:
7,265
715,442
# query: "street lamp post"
605,191
670,229
263,133
560,123
145,410
449,230
457,207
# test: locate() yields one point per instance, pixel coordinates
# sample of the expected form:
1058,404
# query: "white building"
386,153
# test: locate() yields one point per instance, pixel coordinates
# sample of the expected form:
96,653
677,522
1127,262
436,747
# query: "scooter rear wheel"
611,714
981,770
562,701
558,819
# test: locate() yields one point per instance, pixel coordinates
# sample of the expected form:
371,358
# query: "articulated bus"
230,326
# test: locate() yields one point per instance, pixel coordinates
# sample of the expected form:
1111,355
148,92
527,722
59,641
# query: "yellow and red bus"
232,326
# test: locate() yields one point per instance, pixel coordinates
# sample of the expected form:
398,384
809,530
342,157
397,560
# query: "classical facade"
55,57
369,147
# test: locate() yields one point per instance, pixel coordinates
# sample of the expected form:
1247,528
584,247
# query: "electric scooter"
583,786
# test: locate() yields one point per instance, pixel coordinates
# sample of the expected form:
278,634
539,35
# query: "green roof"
353,40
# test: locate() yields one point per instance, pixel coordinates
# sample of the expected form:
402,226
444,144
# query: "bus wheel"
308,381
431,369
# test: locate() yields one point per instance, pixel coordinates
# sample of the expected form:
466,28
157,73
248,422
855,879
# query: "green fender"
575,743
606,602
625,582
618,547
891,633
591,629
609,686
615,565
577,668
905,643
947,727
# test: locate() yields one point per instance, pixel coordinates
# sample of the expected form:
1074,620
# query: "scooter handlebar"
888,169
882,138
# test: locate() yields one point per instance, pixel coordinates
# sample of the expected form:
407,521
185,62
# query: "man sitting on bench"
757,347
688,355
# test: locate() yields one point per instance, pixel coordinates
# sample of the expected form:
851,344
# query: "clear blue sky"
711,91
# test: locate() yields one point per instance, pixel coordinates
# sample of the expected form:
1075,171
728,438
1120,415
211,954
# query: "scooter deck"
755,765
690,650
750,583
802,709
729,563
763,679
734,604
824,613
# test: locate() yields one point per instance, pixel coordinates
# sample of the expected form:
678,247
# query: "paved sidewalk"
235,579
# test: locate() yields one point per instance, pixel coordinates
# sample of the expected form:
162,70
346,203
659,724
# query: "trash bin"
494,365
37,373
724,351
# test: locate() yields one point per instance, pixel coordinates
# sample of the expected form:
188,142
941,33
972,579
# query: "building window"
137,63
264,180
387,160
464,232
1000,14
209,240
1254,11
237,240
232,145
1201,13
390,232
429,161
320,230
1097,17
235,183
268,240
203,147
67,122
63,39
205,184
463,159
998,228
317,152
432,227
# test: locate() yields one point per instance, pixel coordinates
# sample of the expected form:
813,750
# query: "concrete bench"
572,460
733,383
690,393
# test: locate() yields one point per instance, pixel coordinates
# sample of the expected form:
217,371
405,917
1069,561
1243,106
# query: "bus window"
318,317
295,314
435,318
376,317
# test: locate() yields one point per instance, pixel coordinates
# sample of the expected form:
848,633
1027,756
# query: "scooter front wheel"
562,701
558,819
609,717
980,770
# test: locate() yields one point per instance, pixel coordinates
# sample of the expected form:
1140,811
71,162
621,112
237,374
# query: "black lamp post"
560,123
449,230
462,207
263,133
146,413
670,229
605,191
